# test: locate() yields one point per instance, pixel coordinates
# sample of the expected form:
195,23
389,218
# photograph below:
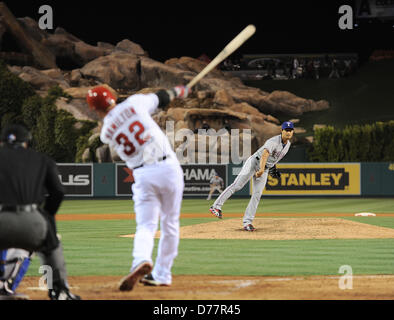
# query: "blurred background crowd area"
287,67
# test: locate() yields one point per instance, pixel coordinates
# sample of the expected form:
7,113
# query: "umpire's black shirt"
27,176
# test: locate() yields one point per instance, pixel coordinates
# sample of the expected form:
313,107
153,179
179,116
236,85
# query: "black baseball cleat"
249,227
62,294
128,282
148,280
216,212
7,295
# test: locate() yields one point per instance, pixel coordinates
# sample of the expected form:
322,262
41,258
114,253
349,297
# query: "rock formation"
218,100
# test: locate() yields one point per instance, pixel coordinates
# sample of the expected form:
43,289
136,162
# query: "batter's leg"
247,171
258,187
147,210
171,201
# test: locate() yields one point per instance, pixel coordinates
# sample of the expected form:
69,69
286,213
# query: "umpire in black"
30,195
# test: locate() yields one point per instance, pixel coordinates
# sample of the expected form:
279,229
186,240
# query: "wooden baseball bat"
244,35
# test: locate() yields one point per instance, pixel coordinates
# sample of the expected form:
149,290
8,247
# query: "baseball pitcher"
158,189
257,167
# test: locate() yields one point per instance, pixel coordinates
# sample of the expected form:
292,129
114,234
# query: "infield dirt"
197,287
208,287
284,229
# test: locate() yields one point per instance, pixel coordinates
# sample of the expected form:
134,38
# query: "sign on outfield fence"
124,180
315,179
197,178
77,179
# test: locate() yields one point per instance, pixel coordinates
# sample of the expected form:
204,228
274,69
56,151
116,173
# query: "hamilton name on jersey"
118,121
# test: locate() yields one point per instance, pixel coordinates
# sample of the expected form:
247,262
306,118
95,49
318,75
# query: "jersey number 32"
128,146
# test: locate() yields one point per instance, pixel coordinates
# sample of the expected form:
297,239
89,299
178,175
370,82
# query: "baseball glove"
274,173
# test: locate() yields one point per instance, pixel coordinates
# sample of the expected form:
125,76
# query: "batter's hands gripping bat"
244,35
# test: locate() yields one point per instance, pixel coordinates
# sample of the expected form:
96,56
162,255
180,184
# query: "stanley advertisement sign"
315,179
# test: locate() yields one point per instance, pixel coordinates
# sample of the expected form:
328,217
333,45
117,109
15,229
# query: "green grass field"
93,247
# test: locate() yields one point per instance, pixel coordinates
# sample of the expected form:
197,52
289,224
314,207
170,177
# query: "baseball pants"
212,190
25,230
28,230
248,172
157,195
13,267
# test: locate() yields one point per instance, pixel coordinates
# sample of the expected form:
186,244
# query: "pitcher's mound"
284,229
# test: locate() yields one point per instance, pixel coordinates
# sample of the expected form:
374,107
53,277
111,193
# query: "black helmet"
15,134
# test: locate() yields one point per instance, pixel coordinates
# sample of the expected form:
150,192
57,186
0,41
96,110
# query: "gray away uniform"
277,151
216,184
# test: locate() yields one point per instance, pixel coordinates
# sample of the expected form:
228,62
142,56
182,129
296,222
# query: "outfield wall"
109,180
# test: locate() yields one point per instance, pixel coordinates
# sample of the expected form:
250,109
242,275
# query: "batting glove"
179,92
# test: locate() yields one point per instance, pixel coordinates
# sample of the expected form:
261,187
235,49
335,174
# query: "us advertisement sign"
77,179
315,179
197,178
124,180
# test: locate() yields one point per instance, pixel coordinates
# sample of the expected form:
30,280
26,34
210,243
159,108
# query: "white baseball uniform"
158,188
277,150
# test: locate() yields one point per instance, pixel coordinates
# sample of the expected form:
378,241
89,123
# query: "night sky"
174,29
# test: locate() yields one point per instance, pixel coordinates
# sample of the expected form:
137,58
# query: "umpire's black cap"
15,133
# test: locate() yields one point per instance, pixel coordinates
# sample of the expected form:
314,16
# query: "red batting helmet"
100,98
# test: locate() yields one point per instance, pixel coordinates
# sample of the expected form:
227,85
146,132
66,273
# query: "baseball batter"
216,184
158,189
257,167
